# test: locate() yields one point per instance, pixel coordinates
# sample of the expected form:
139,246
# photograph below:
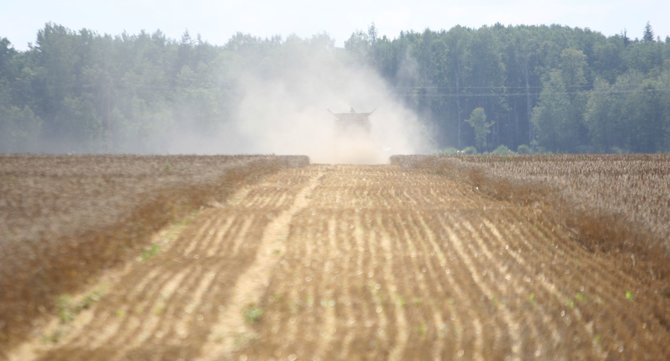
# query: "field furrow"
366,262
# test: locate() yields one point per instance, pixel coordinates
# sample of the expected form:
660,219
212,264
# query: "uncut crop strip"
628,189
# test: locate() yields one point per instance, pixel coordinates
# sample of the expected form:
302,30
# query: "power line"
514,94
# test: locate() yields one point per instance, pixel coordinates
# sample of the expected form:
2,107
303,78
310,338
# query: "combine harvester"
352,122
353,139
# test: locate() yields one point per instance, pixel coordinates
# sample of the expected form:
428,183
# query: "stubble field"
426,258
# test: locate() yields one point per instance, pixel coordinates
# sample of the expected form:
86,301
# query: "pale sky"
217,21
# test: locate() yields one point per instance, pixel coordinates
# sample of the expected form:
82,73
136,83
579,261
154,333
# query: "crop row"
64,219
614,204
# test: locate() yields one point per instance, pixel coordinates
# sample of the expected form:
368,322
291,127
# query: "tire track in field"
250,285
370,262
165,306
429,269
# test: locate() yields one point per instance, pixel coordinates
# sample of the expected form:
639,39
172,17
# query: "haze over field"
286,110
488,88
339,180
283,104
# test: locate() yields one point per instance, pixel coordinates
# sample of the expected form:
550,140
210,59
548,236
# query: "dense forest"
527,88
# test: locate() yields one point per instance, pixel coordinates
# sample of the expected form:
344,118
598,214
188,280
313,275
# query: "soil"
362,262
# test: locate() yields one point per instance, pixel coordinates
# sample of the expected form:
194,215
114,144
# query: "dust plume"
285,98
251,96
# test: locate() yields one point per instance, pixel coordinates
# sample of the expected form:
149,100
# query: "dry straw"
64,219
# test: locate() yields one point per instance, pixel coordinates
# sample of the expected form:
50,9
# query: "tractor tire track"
368,262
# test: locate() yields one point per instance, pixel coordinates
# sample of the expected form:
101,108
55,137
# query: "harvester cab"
352,122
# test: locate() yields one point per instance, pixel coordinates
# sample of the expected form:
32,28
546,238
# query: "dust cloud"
285,100
255,96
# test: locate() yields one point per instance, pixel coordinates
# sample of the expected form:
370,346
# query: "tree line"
527,88
546,88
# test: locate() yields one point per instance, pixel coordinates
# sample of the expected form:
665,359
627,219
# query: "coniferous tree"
566,89
648,36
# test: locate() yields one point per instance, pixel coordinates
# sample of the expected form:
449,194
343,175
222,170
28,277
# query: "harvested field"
390,262
64,218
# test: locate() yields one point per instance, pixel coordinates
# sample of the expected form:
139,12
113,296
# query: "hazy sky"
216,21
